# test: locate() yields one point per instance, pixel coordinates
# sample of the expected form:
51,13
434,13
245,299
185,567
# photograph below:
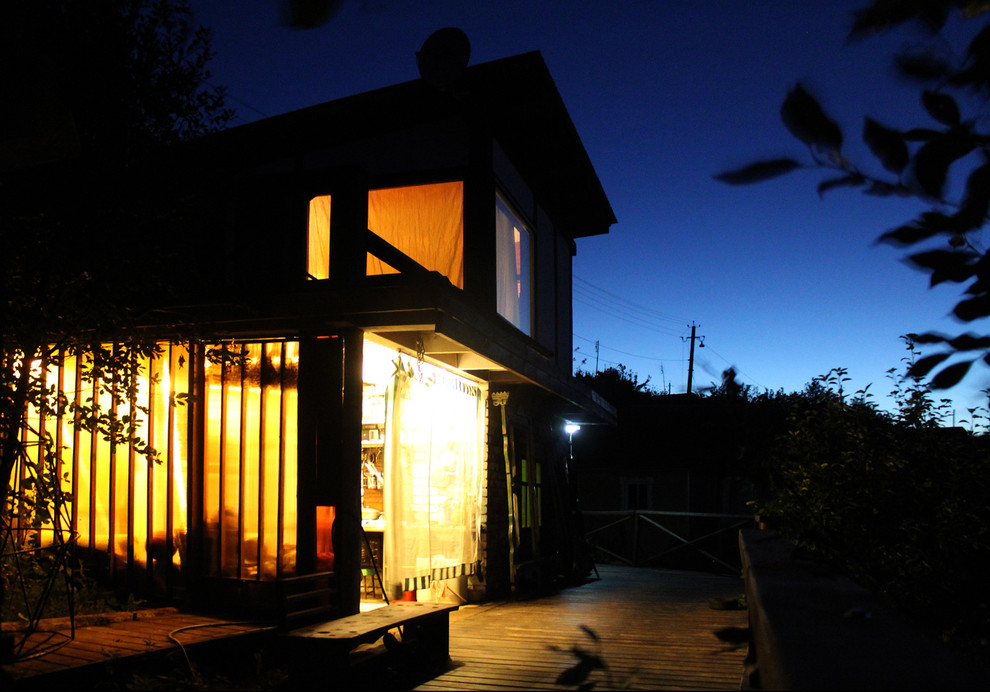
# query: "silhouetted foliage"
620,385
96,94
894,501
892,498
918,161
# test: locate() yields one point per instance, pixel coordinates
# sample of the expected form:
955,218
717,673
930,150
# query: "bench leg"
430,637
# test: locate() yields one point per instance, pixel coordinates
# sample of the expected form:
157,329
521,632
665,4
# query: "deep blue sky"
665,94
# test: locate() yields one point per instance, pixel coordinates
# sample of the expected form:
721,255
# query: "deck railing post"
635,539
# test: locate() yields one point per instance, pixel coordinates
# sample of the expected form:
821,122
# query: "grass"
23,590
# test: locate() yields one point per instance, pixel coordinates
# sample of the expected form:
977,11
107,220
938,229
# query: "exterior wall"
545,285
546,552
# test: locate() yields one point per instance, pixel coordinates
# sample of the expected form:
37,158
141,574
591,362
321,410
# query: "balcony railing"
678,540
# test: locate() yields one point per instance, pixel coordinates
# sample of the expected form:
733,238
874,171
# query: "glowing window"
250,457
424,222
514,267
318,248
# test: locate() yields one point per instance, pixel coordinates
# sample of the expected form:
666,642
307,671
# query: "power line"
737,368
626,353
590,290
630,319
622,309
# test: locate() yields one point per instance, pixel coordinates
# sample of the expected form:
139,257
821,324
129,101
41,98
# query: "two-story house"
396,269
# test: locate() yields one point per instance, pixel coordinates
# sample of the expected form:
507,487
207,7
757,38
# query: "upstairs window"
425,223
318,249
514,267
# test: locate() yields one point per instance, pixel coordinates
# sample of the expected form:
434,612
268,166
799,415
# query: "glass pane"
290,408
424,222
121,476
84,480
211,455
32,452
101,481
513,245
178,454
231,473
251,454
318,249
139,471
160,390
324,538
66,432
271,435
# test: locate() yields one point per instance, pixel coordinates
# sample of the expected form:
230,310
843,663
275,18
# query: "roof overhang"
513,100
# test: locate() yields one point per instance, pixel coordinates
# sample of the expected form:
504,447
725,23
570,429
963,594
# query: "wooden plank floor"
96,645
655,631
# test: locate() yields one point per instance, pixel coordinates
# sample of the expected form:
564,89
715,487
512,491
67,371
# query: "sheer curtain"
512,247
433,457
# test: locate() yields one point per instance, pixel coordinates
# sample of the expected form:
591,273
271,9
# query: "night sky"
665,94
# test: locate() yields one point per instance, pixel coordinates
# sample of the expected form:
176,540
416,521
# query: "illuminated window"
513,267
121,505
249,485
324,538
424,222
135,512
318,248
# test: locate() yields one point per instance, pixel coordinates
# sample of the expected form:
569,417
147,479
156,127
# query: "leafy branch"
917,162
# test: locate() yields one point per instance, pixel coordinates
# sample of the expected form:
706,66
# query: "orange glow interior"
137,513
425,222
318,249
324,538
250,461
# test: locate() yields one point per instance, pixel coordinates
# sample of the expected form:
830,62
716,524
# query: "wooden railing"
638,538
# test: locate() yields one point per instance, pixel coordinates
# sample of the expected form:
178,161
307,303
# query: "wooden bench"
424,642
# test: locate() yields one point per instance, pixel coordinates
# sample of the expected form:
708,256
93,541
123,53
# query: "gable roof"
514,99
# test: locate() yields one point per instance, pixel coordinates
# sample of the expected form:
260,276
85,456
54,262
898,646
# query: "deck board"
655,630
97,645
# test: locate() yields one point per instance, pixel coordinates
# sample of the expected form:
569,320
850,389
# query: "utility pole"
690,382
596,357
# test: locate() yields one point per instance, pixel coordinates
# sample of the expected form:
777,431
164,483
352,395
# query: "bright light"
571,428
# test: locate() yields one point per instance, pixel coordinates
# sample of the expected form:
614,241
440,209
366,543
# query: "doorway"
422,454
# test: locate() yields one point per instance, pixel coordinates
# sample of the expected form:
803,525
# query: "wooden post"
500,399
635,539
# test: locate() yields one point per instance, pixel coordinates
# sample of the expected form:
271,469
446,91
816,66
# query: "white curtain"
433,461
512,248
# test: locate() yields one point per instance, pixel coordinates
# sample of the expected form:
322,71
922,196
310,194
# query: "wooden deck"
43,661
655,630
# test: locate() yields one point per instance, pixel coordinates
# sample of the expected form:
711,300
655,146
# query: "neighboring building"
397,268
679,461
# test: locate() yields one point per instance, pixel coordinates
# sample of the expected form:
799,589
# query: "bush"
894,501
